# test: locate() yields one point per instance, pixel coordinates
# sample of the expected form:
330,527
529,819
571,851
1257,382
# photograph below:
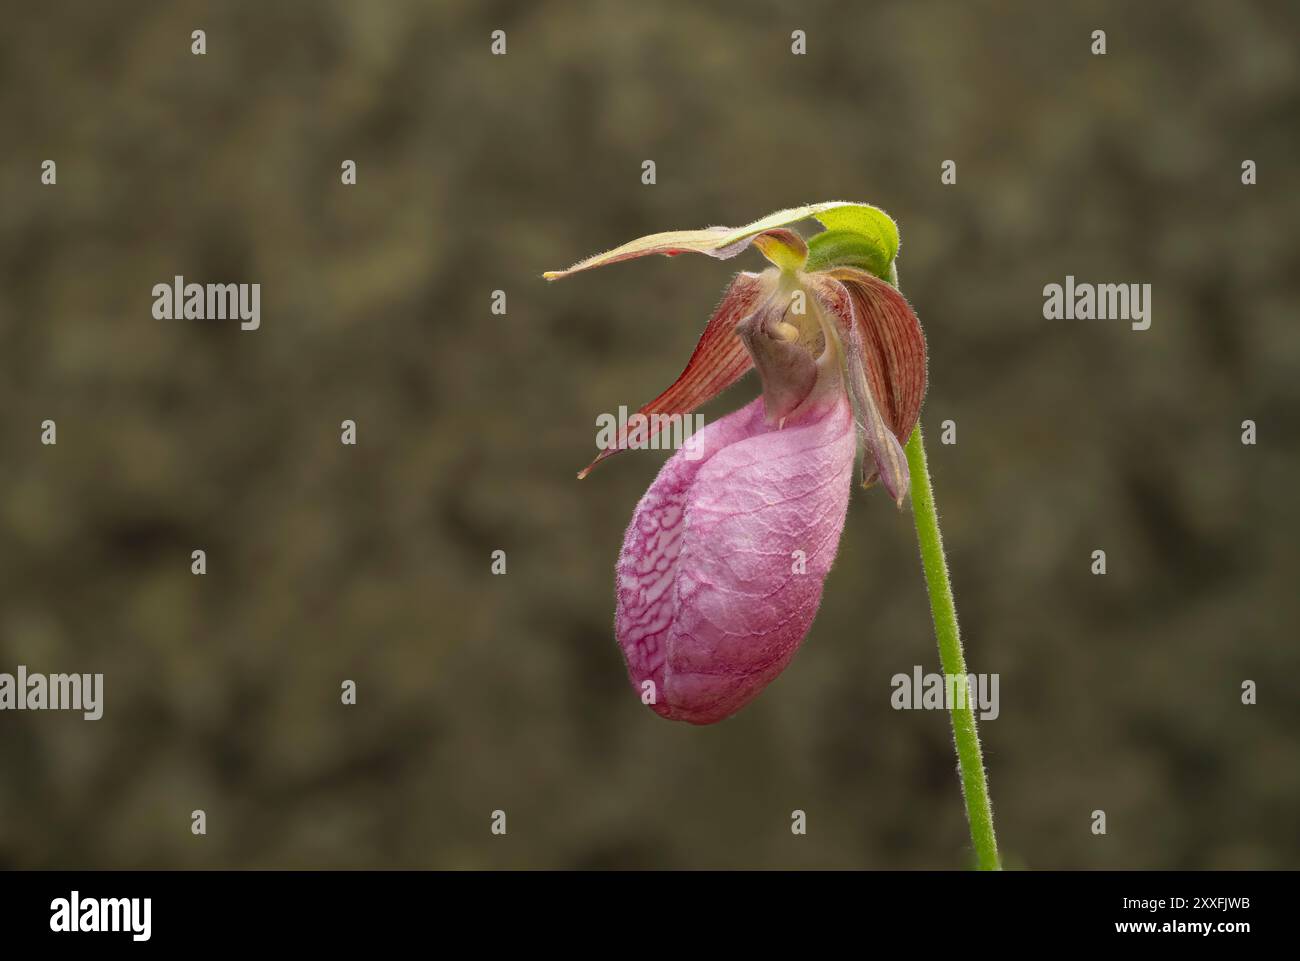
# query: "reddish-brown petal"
895,344
883,455
719,360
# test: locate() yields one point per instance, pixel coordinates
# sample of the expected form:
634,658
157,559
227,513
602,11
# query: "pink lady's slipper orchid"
723,563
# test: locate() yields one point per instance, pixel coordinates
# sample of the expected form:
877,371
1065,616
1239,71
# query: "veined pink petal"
719,360
711,602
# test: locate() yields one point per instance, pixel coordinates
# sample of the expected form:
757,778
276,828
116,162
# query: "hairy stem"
970,759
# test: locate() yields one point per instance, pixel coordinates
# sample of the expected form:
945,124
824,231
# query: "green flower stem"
970,759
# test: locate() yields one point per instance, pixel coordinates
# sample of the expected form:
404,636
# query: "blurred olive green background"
476,173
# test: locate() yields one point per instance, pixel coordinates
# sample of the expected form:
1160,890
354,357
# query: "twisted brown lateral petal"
719,360
896,361
884,356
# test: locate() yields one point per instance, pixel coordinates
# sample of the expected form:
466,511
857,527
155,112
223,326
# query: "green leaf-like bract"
856,235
